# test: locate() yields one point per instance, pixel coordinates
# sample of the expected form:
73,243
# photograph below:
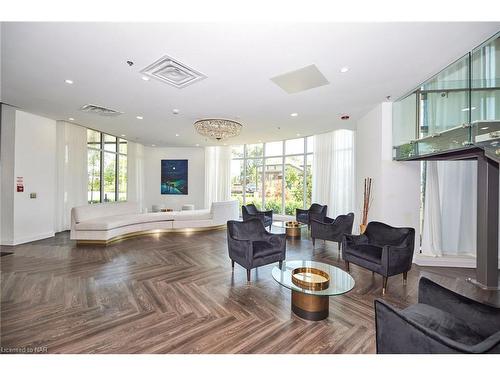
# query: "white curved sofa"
103,223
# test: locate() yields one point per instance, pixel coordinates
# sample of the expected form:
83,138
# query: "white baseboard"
21,240
446,261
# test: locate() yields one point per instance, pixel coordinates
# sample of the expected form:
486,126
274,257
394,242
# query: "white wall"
7,180
152,176
33,158
396,185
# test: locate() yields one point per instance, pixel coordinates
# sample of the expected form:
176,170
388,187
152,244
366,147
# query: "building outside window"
107,167
275,176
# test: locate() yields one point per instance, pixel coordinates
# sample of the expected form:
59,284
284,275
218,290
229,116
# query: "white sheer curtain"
333,171
450,208
71,172
217,174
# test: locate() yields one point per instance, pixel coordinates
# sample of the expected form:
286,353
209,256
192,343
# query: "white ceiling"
238,60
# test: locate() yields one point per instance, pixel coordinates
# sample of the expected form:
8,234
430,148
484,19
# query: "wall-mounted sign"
20,184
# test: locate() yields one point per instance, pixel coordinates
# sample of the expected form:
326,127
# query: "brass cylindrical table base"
310,307
293,232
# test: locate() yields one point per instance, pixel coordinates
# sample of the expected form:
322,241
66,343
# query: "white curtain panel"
333,171
71,172
450,208
217,174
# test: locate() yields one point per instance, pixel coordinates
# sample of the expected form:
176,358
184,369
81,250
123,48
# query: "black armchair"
316,211
382,249
332,229
251,246
250,212
441,322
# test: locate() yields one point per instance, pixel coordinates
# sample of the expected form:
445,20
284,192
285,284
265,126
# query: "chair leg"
384,284
232,264
347,266
248,275
405,278
281,264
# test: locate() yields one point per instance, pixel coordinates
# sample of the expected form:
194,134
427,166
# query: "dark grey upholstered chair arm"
352,239
300,211
326,228
397,259
317,215
397,334
243,248
478,315
268,213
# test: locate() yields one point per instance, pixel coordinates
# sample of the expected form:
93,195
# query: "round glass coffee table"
292,229
312,283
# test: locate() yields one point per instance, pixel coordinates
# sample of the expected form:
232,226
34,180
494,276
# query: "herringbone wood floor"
175,293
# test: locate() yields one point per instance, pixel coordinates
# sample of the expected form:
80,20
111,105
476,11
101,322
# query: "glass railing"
437,116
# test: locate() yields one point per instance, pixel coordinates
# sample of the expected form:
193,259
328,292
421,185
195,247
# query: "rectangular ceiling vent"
173,72
98,110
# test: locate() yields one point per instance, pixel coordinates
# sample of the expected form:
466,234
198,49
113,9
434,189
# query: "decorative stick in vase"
366,204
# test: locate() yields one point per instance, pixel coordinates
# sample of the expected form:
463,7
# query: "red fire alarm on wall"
20,184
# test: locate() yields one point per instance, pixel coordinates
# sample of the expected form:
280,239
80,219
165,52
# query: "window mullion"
101,170
283,178
304,177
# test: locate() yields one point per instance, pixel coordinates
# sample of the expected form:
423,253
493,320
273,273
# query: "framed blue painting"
174,177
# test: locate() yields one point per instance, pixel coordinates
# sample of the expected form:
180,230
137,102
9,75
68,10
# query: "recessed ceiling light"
139,117
177,135
295,114
144,78
197,144
260,141
153,145
225,144
344,69
122,135
484,128
71,119
298,134
68,81
175,111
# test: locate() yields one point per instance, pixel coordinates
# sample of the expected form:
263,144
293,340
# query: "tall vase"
362,228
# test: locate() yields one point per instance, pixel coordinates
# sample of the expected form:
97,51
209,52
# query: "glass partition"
435,117
485,81
450,110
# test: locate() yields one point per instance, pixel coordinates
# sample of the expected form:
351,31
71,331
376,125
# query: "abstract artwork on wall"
174,177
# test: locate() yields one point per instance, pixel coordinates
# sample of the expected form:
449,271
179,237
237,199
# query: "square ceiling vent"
171,71
301,79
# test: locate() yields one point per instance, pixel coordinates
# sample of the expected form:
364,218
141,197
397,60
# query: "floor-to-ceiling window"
107,167
276,175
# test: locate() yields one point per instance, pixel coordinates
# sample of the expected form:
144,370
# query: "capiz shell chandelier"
218,128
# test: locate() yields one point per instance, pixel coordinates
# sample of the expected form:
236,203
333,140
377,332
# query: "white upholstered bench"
103,223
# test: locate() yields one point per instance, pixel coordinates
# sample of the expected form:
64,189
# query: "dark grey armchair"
332,229
251,246
383,249
250,212
316,211
441,322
